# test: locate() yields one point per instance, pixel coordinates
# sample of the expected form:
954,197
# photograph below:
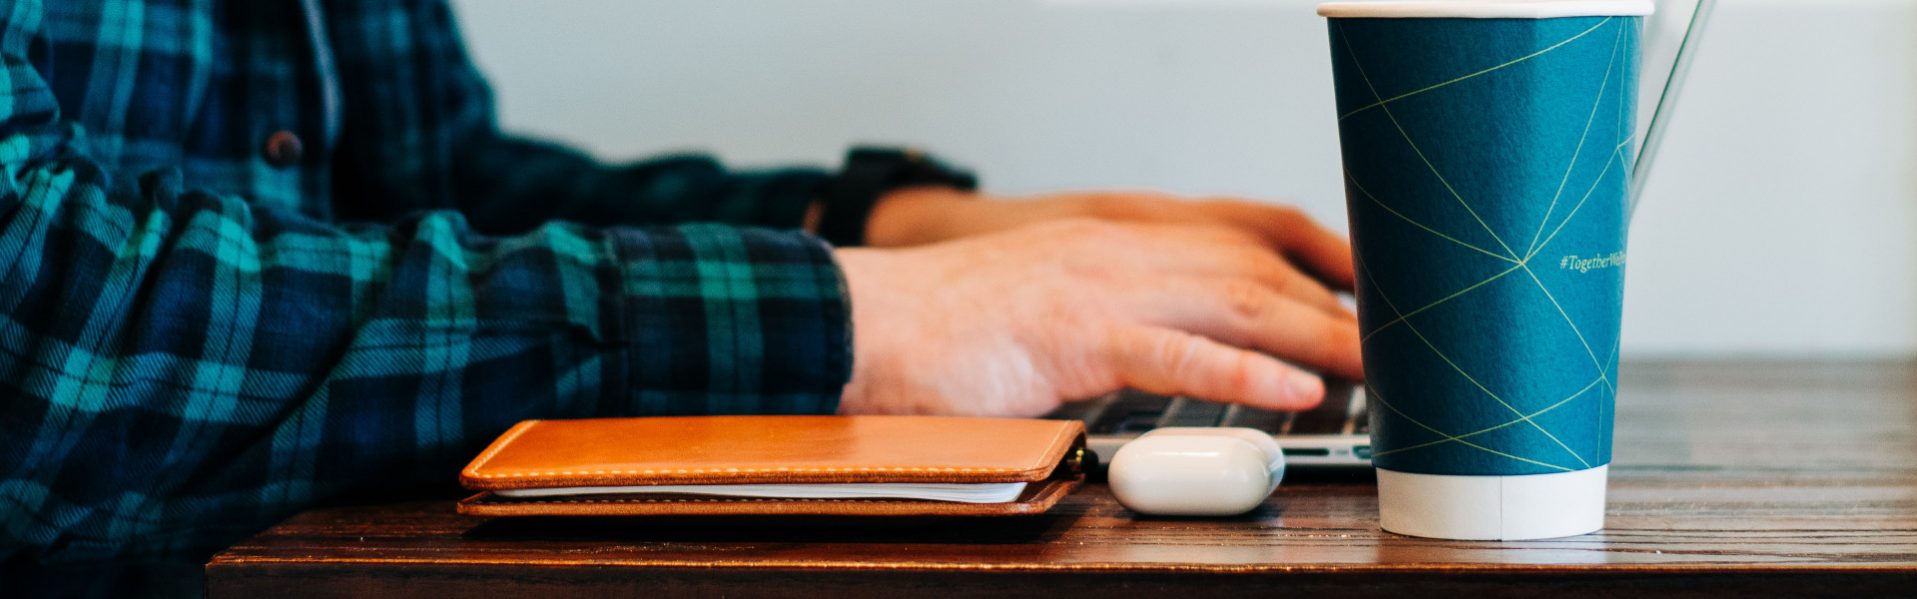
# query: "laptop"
1336,434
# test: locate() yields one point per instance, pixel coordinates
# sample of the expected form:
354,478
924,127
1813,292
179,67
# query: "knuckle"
1241,376
1245,299
1179,352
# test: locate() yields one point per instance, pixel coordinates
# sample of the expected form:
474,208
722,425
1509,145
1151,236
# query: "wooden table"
1729,478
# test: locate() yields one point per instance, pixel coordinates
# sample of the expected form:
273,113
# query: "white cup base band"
1508,508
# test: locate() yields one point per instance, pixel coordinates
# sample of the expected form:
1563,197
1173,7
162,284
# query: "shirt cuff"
731,320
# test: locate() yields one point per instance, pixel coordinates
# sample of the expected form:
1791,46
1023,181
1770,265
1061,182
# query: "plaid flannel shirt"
199,338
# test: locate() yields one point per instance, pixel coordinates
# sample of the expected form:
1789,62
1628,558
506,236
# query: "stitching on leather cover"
1037,501
704,500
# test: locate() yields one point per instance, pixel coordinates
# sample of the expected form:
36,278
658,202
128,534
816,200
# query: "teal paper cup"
1487,151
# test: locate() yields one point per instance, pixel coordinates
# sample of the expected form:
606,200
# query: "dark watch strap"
869,174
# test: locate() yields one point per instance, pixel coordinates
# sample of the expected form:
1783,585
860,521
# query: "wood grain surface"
1735,478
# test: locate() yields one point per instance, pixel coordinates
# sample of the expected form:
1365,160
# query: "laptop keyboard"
1134,412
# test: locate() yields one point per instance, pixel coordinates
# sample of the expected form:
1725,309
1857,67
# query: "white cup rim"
1485,9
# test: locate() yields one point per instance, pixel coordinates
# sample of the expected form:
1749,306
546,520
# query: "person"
259,255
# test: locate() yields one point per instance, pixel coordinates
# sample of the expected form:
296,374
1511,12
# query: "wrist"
863,270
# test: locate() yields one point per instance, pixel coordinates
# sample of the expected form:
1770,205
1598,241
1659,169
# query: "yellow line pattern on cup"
1604,371
1460,370
1573,324
1394,212
1617,156
1374,395
1437,302
1511,62
1420,152
1596,101
1448,439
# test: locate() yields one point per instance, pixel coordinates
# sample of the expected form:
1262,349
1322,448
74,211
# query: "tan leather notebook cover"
772,450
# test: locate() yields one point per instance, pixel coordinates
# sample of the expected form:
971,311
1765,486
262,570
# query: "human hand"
1014,322
921,215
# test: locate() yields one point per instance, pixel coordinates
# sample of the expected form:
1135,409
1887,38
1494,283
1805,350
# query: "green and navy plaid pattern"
196,342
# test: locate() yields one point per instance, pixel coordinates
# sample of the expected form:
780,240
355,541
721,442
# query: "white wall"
1780,219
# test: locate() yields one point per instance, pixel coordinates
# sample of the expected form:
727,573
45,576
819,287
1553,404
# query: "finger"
1251,316
1213,251
1326,254
1169,362
1279,275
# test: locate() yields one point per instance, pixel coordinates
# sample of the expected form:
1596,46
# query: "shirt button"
283,148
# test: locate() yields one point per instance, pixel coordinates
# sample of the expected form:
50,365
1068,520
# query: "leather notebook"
777,465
